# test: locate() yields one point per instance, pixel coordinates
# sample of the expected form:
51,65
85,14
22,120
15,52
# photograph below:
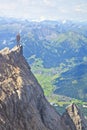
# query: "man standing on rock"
18,39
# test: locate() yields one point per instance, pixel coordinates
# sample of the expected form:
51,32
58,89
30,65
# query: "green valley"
57,54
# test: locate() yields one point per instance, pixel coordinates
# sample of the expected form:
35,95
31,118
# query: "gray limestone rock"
23,105
74,119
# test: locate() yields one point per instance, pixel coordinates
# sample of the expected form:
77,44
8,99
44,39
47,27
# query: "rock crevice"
74,119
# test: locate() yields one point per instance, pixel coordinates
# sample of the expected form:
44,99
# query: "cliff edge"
23,105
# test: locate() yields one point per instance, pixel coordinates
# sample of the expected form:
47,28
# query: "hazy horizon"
39,10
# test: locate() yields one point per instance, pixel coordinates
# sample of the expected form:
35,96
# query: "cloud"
7,7
44,9
42,18
81,8
62,10
47,2
50,3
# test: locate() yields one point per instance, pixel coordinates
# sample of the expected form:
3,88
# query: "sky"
44,9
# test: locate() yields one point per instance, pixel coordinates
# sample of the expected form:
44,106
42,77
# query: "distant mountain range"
57,45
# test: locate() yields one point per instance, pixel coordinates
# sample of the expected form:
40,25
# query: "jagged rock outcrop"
22,102
74,119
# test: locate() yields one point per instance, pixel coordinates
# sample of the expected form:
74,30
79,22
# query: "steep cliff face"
74,119
22,102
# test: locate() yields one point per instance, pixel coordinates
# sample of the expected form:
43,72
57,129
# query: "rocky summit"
23,105
74,119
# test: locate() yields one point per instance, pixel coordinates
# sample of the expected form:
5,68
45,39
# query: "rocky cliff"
22,102
23,105
74,119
